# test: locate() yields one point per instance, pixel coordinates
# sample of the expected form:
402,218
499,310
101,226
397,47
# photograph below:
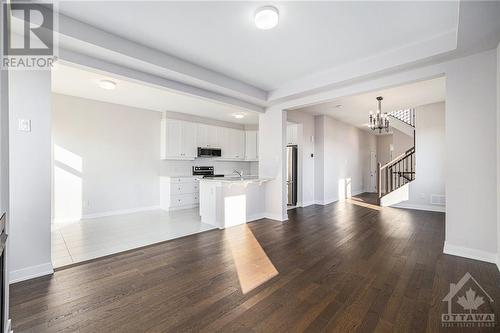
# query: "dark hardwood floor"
347,266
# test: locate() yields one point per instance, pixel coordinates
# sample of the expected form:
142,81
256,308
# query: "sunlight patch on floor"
253,266
358,202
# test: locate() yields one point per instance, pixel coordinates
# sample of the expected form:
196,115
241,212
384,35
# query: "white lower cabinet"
179,192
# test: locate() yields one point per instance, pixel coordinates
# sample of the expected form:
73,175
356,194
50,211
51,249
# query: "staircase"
407,116
401,170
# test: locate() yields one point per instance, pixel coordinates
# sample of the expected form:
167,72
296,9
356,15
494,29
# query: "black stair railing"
407,116
396,173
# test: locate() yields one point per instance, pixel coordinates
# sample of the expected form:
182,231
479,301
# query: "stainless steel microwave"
209,152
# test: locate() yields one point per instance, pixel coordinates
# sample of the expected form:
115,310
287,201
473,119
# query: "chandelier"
379,121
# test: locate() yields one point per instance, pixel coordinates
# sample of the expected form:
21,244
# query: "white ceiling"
82,82
311,36
354,110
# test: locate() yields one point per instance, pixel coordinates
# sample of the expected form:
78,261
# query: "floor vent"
437,199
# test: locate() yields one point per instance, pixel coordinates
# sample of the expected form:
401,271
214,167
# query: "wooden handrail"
399,158
396,173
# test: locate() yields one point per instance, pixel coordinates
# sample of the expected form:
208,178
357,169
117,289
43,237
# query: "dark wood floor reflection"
347,266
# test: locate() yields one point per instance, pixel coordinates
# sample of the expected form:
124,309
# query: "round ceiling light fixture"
238,115
107,84
266,17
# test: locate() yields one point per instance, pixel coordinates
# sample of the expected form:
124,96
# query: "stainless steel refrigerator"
291,175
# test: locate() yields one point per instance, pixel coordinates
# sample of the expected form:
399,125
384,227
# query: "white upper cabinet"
207,136
239,144
178,139
232,143
189,146
291,134
251,145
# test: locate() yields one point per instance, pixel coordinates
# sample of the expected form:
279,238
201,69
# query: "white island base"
228,202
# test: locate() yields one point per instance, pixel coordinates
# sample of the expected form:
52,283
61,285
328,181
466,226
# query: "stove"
205,171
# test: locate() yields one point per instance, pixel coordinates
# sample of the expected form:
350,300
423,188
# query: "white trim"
466,252
30,272
108,213
126,50
307,203
277,217
8,329
255,217
169,209
326,202
430,208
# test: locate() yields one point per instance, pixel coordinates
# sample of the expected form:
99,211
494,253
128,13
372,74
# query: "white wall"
30,175
498,155
4,175
471,198
345,152
272,161
319,160
305,149
384,143
106,157
430,170
401,142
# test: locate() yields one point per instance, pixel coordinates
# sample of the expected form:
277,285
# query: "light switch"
24,125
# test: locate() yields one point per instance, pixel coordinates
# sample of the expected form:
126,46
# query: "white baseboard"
169,209
357,192
465,252
326,201
430,208
276,217
107,213
255,217
31,272
307,203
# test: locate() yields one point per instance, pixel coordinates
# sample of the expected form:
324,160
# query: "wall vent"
437,199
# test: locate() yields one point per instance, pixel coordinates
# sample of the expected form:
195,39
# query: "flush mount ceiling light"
266,17
238,115
107,84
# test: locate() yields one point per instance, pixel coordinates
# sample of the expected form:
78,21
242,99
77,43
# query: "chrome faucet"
239,173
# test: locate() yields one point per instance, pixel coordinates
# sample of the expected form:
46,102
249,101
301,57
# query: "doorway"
373,172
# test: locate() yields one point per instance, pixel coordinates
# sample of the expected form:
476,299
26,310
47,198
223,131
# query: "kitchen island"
229,201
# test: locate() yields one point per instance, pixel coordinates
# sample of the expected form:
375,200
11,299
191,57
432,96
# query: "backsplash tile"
184,168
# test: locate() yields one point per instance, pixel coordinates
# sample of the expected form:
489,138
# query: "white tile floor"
93,238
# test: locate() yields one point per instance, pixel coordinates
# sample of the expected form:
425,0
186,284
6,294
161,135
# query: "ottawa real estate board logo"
28,35
469,305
